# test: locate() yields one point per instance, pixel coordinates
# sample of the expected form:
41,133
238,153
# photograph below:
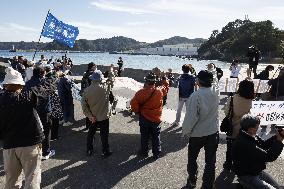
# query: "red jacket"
152,109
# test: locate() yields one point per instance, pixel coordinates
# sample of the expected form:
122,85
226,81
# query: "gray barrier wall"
78,70
137,74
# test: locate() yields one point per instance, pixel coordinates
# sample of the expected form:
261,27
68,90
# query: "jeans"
261,181
210,144
104,132
147,129
27,159
181,102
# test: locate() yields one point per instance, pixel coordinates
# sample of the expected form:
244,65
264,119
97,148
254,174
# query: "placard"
228,85
129,83
270,112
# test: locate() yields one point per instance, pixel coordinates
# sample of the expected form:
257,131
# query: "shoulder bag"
226,125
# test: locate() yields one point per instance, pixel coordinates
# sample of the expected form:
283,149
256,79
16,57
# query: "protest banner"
228,85
129,83
270,112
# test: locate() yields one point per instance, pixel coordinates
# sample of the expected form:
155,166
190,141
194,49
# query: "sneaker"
190,184
66,124
106,154
61,122
51,153
157,156
142,154
175,124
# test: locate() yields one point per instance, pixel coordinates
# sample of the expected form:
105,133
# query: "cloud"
17,32
139,23
159,7
120,7
19,27
89,30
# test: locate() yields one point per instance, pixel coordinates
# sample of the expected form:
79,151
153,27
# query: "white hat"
13,77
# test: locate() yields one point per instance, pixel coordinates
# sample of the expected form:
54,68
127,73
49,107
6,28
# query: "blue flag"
57,30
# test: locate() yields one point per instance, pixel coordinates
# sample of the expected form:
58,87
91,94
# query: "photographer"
250,155
253,55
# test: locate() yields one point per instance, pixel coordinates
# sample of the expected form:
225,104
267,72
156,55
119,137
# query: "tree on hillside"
235,38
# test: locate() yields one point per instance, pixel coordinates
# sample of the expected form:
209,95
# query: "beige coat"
95,101
241,106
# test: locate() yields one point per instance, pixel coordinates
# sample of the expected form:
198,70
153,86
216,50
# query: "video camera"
251,51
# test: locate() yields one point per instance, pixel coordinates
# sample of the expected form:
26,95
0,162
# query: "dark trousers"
104,132
253,68
119,71
46,123
88,123
210,144
147,129
54,128
229,160
68,111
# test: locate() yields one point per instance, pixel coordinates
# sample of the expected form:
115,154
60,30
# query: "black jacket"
277,86
45,88
18,124
251,154
264,75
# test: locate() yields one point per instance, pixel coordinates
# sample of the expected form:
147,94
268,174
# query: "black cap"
205,76
151,77
91,65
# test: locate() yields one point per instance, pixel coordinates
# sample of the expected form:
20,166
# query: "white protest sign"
263,86
270,112
231,85
222,85
256,84
129,83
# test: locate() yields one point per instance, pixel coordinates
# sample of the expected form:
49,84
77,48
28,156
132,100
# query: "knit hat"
205,76
97,76
13,77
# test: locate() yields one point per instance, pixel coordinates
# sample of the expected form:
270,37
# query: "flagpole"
40,35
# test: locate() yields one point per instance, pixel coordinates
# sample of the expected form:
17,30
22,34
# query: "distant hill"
233,40
119,43
177,40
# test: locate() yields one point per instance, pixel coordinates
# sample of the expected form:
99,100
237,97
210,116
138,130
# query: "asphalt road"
71,168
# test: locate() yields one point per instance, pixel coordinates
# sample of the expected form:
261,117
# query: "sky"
143,20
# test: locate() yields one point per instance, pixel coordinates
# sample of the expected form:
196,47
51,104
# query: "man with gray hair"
96,107
201,126
251,153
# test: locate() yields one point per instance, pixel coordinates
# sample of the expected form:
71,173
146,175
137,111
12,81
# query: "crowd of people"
37,99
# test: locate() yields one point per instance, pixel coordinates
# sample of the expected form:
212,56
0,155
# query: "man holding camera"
254,56
250,155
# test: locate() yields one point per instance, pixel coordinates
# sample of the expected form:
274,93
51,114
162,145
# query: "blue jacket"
186,85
